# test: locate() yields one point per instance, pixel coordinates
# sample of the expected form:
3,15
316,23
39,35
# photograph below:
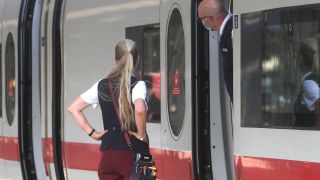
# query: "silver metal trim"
36,100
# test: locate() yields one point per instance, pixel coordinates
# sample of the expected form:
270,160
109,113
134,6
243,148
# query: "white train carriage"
52,51
267,142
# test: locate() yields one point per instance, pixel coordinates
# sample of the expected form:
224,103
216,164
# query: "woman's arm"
75,109
139,93
140,114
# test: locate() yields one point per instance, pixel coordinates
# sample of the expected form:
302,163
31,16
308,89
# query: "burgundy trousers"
115,165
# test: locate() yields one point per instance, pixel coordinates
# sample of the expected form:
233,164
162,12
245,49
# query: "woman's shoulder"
102,81
134,80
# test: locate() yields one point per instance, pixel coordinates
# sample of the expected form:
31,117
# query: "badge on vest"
225,50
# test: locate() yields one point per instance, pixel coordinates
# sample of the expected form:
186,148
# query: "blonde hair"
126,54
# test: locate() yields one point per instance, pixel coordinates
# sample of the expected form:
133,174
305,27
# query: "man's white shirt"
311,92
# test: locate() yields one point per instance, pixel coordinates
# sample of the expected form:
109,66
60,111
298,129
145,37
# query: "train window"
176,72
10,78
147,38
151,71
280,66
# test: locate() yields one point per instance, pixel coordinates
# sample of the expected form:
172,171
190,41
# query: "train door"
2,168
176,107
37,118
276,51
221,137
29,87
10,110
50,110
221,132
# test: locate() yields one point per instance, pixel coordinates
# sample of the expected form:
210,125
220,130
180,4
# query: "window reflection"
270,70
147,38
151,71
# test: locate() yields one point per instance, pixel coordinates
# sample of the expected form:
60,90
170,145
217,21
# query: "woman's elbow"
71,109
140,111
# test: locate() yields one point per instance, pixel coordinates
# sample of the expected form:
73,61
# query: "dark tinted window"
275,46
176,72
151,71
147,38
10,78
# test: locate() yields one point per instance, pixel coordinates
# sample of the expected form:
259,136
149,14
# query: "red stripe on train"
253,168
84,156
9,148
171,164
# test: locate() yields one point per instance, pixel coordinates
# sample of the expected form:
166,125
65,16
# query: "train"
53,50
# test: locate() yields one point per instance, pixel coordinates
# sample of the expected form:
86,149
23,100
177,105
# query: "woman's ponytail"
126,54
125,108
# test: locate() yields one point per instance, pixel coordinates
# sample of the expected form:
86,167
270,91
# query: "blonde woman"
129,100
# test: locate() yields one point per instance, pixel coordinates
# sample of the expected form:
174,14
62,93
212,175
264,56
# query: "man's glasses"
203,19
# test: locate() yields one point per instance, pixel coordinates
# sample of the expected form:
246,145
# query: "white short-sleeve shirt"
311,92
90,96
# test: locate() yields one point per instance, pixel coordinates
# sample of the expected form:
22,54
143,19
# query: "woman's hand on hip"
140,137
98,135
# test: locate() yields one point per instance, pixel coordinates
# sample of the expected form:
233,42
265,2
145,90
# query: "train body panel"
65,46
270,145
2,167
176,144
9,138
249,6
175,140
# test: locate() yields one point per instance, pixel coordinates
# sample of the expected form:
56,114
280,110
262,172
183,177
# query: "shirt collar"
305,75
224,23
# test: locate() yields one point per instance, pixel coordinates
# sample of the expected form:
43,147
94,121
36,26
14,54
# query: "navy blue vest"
226,50
114,138
304,117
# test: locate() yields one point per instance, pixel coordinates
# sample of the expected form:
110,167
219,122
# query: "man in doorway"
214,17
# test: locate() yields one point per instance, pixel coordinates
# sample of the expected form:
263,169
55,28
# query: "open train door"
28,85
221,123
176,89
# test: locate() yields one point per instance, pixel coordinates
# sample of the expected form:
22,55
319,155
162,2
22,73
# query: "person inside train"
128,112
306,107
214,17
